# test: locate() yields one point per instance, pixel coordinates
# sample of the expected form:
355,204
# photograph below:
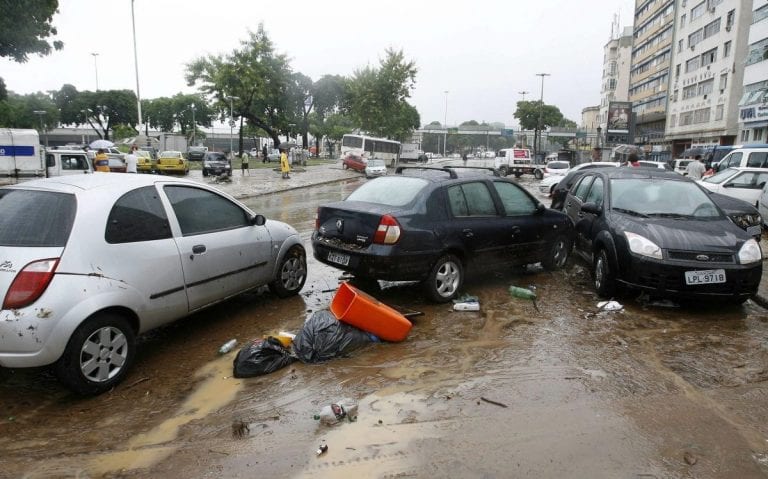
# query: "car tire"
538,174
503,171
558,253
445,279
89,367
552,190
292,273
344,166
604,277
518,175
205,172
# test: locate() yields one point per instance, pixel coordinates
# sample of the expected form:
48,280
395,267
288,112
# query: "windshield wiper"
670,215
630,212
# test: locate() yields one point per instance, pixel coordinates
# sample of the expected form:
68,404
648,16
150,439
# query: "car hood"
685,234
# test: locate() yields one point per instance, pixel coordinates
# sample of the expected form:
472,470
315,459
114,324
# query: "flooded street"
555,388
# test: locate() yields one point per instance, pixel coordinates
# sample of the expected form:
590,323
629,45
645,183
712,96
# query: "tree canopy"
25,28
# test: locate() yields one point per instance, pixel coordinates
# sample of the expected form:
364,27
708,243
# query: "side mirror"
592,208
540,208
258,220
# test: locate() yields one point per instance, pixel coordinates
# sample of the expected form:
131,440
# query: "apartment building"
649,71
617,59
753,111
706,78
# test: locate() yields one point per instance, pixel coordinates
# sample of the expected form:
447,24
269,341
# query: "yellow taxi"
145,162
172,162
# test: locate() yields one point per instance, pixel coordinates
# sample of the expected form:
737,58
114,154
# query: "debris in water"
240,429
610,306
495,403
689,458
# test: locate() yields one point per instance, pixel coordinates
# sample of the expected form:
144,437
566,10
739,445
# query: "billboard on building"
619,114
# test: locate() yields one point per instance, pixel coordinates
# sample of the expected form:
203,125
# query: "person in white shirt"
131,160
695,169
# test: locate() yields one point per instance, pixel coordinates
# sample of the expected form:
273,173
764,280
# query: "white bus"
369,147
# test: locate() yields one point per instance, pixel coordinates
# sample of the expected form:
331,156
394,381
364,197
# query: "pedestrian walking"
131,160
633,160
244,164
291,156
695,169
264,153
285,166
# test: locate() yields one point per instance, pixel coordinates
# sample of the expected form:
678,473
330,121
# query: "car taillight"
30,283
388,231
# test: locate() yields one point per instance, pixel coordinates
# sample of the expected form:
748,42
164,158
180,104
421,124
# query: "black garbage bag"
324,337
261,357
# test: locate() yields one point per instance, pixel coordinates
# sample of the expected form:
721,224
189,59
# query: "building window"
679,45
677,70
758,136
729,19
692,64
723,81
706,87
711,28
760,13
695,37
744,136
726,49
672,119
709,57
689,92
719,112
757,52
682,20
686,118
698,10
701,115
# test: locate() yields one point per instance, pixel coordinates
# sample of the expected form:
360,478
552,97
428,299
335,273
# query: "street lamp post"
231,123
523,93
194,125
136,68
96,69
41,113
445,126
541,108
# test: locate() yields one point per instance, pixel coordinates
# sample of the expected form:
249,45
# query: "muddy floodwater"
555,388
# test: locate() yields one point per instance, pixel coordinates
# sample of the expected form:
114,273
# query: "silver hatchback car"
88,262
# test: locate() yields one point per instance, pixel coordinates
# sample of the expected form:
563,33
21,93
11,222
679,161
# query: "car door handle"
198,249
515,230
468,233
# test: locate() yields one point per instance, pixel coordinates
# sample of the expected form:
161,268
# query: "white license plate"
708,276
342,259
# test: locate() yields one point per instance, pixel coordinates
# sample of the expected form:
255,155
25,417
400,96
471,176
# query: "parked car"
557,186
172,162
743,183
432,224
216,163
273,155
755,156
145,163
375,167
681,166
661,233
354,162
743,214
116,164
254,153
197,153
556,168
91,261
662,165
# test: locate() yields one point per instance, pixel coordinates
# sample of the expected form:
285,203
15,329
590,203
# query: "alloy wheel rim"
447,279
103,354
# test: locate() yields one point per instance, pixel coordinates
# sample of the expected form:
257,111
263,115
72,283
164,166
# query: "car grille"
698,257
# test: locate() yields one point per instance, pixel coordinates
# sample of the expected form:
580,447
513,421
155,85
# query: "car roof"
593,163
632,172
98,180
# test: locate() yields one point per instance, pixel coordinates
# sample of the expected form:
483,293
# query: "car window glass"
595,194
200,211
581,188
391,191
471,199
137,216
757,160
516,202
35,218
733,160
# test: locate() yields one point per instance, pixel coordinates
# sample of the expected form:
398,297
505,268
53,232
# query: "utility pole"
41,113
96,68
445,126
194,125
231,123
537,147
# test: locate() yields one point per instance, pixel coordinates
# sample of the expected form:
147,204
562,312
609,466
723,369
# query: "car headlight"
746,220
642,245
750,252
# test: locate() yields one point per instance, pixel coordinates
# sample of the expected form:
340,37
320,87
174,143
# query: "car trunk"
350,222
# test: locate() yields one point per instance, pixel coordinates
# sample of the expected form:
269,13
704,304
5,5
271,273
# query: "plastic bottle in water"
228,346
524,293
338,412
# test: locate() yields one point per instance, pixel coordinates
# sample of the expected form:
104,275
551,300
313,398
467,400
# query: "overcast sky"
482,52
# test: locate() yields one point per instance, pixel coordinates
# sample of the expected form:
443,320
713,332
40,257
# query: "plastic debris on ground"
466,302
610,306
259,357
344,409
353,306
525,293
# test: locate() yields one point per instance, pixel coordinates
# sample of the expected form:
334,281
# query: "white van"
750,157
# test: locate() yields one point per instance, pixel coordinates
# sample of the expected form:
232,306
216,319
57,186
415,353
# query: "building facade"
617,59
649,72
706,78
753,106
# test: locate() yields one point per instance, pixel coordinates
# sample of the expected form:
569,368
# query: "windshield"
720,176
661,197
375,162
389,190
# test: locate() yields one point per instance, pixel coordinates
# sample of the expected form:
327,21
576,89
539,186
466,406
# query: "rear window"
35,218
390,191
558,165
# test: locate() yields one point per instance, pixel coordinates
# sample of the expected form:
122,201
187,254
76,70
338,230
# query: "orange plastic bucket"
352,306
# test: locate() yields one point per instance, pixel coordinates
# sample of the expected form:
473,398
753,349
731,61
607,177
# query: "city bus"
369,147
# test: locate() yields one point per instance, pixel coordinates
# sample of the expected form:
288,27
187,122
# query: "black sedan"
431,224
216,164
660,232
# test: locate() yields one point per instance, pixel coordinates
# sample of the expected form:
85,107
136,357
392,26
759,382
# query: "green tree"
329,94
254,73
528,112
18,111
101,110
25,28
377,97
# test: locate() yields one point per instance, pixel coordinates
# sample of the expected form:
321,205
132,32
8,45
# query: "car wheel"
518,175
344,166
538,174
604,278
292,273
552,190
558,254
205,172
445,279
98,355
503,171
